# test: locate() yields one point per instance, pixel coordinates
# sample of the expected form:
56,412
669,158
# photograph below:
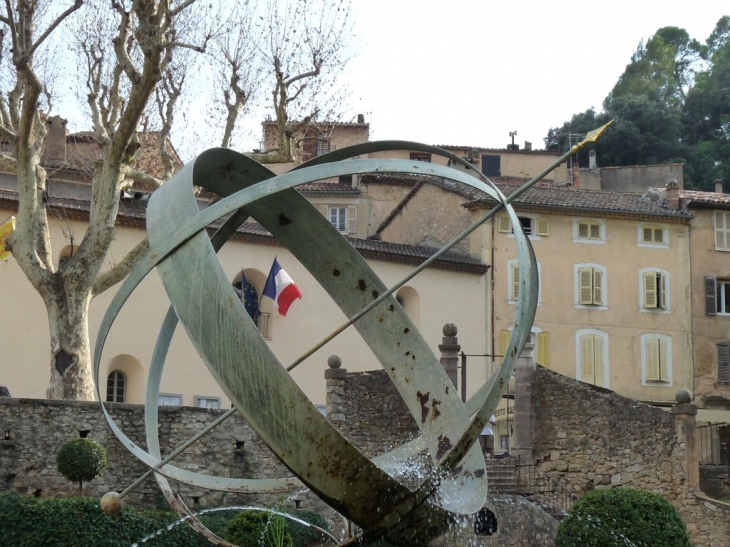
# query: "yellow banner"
6,228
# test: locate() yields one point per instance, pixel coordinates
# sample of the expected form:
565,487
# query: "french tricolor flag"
280,288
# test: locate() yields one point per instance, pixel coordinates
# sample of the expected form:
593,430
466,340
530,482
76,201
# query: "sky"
469,72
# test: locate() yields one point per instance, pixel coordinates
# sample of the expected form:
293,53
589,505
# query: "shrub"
301,535
259,528
75,522
622,516
81,460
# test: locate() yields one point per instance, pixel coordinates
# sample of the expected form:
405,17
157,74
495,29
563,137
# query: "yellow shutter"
543,226
652,360
583,228
351,219
325,210
650,293
587,359
663,375
598,361
515,281
543,349
595,231
658,235
646,237
585,288
597,287
503,223
504,337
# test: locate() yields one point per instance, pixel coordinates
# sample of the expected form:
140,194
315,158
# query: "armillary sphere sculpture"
261,388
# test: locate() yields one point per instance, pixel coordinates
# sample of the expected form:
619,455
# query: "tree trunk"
68,314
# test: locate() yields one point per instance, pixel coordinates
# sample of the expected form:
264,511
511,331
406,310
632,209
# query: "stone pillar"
335,381
685,419
524,419
449,349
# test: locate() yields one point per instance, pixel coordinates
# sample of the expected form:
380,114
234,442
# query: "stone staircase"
514,477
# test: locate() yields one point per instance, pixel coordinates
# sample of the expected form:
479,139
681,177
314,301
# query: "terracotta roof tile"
704,197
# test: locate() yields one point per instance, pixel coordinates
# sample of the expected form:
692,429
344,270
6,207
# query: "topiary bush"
259,529
81,460
622,516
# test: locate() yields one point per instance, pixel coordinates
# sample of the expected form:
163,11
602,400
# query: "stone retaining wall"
589,437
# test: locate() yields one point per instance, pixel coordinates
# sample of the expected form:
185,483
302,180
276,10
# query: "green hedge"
622,516
79,522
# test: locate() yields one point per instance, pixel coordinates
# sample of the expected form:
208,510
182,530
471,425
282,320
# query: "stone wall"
36,429
589,437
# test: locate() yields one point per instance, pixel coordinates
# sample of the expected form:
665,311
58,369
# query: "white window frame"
649,244
604,288
339,223
170,395
589,240
207,398
660,338
721,230
666,292
116,387
579,358
504,218
511,298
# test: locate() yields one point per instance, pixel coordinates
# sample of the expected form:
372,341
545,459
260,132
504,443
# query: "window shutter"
595,231
515,281
723,362
650,293
543,226
711,295
646,238
585,289
351,219
325,210
658,235
652,360
663,364
663,285
543,349
721,231
598,361
583,228
504,337
503,224
587,359
597,287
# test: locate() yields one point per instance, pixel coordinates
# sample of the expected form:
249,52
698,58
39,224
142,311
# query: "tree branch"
143,178
113,276
76,5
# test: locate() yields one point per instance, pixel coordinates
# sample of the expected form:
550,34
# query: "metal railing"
543,490
714,441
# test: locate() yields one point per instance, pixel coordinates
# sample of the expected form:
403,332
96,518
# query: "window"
539,226
342,217
504,443
722,231
513,282
590,285
541,340
589,231
207,402
420,156
653,235
723,362
592,357
717,296
656,359
116,387
491,165
654,290
169,399
323,146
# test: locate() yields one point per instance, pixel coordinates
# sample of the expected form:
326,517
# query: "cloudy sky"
468,72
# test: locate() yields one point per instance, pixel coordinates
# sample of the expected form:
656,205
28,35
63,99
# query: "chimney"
592,163
672,195
55,145
576,176
361,118
528,146
718,186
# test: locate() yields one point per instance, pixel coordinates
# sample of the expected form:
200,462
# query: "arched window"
116,387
